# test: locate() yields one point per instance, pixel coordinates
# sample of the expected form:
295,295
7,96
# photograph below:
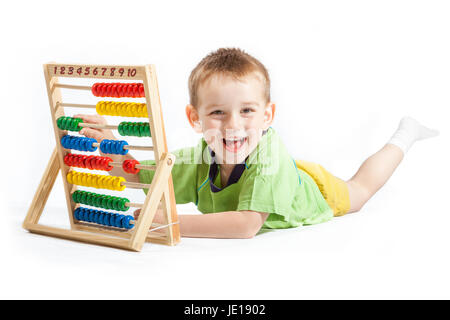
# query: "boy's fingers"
91,118
92,133
136,213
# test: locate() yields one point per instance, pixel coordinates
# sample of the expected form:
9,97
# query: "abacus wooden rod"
128,147
156,226
70,86
139,166
77,105
98,126
135,205
136,185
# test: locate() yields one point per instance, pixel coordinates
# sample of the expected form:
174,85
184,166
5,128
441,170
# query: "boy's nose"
233,122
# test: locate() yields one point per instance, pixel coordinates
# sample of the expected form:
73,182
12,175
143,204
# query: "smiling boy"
240,175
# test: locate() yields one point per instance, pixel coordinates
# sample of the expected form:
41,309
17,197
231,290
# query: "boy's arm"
229,224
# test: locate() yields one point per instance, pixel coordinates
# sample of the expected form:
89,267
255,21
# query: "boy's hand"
97,134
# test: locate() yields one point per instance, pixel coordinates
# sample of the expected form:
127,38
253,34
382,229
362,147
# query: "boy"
241,173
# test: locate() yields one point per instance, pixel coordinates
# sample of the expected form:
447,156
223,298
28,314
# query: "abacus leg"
43,191
154,196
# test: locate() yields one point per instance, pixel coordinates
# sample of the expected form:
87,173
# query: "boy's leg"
372,175
378,168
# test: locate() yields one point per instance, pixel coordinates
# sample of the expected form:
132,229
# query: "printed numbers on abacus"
98,71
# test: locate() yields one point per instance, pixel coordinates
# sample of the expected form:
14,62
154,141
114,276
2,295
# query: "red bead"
94,89
141,90
128,91
107,166
129,166
88,163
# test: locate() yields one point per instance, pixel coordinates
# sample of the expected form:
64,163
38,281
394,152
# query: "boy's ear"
193,118
269,114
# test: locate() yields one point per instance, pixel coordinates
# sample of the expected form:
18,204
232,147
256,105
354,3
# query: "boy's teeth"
232,141
234,144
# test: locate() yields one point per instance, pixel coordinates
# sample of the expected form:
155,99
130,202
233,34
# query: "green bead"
102,201
58,123
120,129
125,208
76,124
113,203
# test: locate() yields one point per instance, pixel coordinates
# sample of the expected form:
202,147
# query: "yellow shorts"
333,189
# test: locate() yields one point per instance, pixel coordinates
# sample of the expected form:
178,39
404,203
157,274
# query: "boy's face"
232,115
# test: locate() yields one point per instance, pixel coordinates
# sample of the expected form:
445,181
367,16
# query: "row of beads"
136,129
96,180
121,109
104,218
69,123
114,146
88,162
118,90
100,200
78,143
86,144
98,163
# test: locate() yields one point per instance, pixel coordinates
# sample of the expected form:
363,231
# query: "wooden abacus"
95,226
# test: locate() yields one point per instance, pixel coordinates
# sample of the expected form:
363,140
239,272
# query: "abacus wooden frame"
160,191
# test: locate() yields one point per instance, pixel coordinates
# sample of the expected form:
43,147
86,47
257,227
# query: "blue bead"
91,216
100,218
126,222
112,219
83,214
123,143
91,144
103,146
119,219
106,219
64,142
77,213
96,216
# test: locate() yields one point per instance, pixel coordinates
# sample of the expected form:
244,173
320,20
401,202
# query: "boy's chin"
231,158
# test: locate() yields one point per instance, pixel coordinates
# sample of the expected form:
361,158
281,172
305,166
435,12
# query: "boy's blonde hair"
232,62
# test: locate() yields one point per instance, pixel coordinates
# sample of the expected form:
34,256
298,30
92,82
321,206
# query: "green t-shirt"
270,183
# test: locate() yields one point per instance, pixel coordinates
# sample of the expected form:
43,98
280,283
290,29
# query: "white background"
343,74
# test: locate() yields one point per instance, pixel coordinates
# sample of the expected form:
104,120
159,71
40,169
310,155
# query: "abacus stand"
160,191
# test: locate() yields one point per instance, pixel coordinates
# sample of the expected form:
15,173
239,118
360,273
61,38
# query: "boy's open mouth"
234,144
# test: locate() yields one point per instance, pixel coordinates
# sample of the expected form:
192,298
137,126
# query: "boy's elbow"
251,228
250,234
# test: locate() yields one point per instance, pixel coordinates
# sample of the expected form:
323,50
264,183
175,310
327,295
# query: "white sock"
409,131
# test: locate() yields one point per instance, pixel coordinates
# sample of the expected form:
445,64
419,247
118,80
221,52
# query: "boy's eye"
247,110
217,112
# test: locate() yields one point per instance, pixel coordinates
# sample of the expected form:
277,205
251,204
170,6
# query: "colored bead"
126,222
129,166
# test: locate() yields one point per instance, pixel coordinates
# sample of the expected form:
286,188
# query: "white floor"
397,247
